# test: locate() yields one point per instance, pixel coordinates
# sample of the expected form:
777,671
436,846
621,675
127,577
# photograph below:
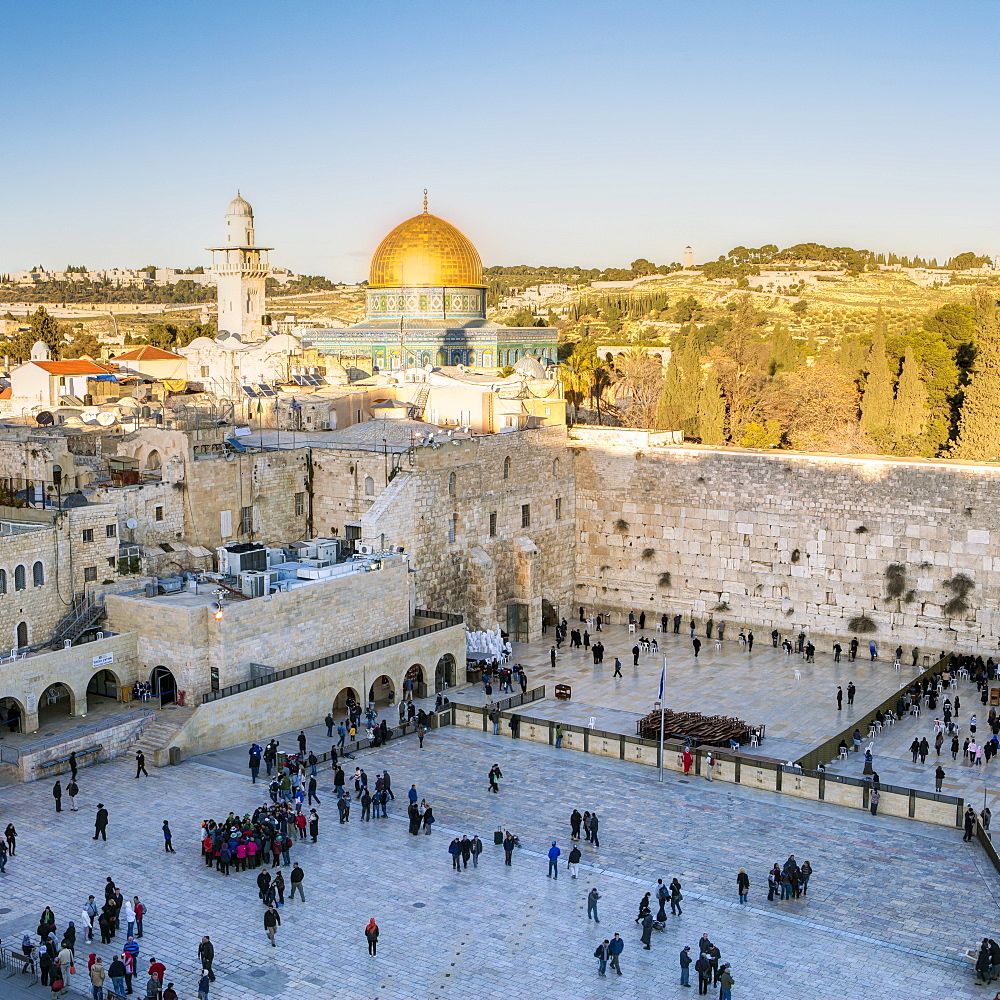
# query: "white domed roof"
40,351
530,366
240,206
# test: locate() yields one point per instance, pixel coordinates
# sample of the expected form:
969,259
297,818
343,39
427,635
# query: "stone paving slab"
891,906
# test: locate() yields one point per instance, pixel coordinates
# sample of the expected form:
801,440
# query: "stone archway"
416,677
12,715
342,700
445,673
56,702
104,684
163,685
382,691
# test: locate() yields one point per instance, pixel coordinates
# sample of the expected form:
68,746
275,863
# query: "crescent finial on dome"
425,201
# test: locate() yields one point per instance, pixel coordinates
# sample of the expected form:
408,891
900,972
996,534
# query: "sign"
103,659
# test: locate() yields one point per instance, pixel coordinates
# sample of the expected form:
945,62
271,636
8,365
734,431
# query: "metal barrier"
445,621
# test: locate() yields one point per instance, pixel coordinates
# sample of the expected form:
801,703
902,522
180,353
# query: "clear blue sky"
584,133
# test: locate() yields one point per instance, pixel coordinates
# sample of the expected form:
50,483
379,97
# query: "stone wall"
790,541
445,524
288,628
303,700
339,480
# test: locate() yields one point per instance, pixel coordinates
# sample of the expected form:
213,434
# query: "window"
226,523
555,465
300,504
112,561
38,574
493,524
526,515
90,574
111,530
22,634
246,520
19,583
452,528
451,485
369,486
506,467
3,581
88,534
558,508
157,513
204,371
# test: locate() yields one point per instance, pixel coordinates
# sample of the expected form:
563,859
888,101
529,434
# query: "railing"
830,750
444,621
12,755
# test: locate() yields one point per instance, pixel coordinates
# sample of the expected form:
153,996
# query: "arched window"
19,583
3,581
38,574
369,486
451,485
506,467
22,634
555,467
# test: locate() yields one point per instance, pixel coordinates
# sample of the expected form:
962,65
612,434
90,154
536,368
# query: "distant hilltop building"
688,257
426,305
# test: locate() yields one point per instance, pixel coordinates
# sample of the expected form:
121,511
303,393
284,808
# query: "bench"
55,766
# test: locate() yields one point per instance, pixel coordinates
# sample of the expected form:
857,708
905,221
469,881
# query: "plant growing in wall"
722,606
621,525
895,581
959,586
861,624
664,580
861,530
648,553
796,555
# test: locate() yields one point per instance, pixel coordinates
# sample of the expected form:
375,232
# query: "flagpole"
663,678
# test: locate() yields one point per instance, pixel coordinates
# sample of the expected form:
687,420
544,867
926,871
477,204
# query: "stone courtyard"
892,905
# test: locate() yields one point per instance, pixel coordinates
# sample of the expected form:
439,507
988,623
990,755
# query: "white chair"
593,721
798,675
718,644
755,740
659,628
878,726
631,627
871,731
843,753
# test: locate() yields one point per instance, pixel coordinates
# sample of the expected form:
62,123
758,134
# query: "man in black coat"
101,822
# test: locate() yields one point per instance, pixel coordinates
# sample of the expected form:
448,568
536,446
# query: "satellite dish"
106,419
131,524
89,415
44,419
140,392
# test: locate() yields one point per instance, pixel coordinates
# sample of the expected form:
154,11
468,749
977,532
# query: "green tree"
711,411
909,411
967,260
577,376
761,435
979,423
954,322
45,328
687,309
672,407
877,402
782,350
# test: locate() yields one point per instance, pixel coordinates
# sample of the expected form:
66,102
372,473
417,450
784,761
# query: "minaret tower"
241,268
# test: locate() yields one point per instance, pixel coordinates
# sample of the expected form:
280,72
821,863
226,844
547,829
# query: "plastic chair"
843,753
755,740
631,627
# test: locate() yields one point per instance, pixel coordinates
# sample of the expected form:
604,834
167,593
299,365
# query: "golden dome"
425,251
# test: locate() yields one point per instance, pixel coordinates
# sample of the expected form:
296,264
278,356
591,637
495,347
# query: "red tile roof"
149,353
72,367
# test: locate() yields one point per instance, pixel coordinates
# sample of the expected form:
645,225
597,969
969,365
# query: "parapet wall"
789,541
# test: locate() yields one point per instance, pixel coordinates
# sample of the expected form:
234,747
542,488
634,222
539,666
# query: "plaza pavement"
892,903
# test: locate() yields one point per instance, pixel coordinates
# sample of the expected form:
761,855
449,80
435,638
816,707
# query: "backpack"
599,951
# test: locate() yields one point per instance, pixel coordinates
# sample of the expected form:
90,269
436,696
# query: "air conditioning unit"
365,549
237,559
257,584
327,550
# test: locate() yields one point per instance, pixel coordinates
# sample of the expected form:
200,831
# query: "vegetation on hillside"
63,292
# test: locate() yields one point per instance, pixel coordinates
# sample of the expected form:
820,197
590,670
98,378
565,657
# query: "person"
837,650
206,955
840,698
422,732
938,778
97,977
72,790
592,897
618,668
704,969
272,921
302,742
743,885
851,692
169,993
10,835
140,764
983,964
709,766
615,948
688,759
475,849
725,983
985,816
602,953
57,795
495,775
559,735
686,964
573,862
508,847
574,824
296,878
157,970
554,853
116,973
695,644
371,935
647,931
428,820
100,822
204,984
969,823
328,722
804,872
874,800
675,897
595,824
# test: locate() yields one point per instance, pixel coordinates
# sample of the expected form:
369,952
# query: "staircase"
421,402
84,614
157,735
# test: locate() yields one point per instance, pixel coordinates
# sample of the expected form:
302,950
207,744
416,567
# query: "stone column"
481,591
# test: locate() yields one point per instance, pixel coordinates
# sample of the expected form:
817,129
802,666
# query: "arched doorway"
104,684
22,633
342,700
415,674
382,691
56,702
164,686
444,673
12,714
153,463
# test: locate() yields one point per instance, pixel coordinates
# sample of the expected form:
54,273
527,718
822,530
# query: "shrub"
664,580
895,580
621,525
862,624
960,586
648,553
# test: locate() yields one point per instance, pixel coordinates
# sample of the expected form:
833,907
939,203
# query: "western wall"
789,541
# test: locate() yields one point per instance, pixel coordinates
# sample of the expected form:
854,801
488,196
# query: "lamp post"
663,679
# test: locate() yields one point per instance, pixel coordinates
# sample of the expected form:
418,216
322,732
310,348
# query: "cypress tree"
782,351
670,410
876,404
711,411
909,412
979,421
